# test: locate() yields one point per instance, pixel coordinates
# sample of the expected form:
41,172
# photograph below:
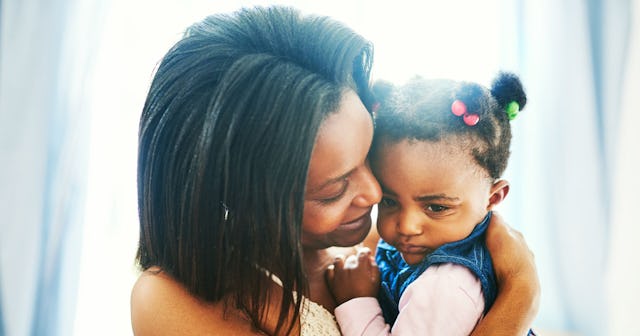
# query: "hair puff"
382,90
506,88
475,97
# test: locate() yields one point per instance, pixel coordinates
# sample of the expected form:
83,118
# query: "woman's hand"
509,252
357,276
518,285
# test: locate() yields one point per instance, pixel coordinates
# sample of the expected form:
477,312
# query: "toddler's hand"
357,276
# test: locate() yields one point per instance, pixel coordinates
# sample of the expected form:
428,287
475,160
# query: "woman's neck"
316,262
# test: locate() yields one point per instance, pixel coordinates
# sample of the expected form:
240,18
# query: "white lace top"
316,320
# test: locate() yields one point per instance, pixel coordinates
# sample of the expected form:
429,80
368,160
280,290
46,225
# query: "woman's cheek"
322,219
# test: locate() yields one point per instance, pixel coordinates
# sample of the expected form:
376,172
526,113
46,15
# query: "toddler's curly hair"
421,110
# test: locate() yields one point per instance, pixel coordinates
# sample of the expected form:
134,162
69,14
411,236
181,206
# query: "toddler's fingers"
364,250
364,259
351,262
363,253
338,262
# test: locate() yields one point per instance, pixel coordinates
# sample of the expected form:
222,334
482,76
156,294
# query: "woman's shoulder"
162,306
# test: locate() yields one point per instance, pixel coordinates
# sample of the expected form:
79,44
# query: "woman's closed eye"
336,196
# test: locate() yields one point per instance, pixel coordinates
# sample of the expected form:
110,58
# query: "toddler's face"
433,193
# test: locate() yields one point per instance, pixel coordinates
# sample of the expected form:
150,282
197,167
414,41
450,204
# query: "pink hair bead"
458,108
471,119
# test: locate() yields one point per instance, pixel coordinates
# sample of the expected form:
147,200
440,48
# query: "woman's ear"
499,191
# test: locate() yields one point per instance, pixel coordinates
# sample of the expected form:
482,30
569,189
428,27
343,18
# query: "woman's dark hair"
225,140
422,110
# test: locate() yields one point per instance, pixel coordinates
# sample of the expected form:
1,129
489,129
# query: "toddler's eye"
436,208
387,202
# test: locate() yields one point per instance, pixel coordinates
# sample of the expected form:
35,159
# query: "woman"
252,174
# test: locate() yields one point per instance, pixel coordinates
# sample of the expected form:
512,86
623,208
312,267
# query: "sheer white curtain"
46,54
576,57
74,76
623,275
581,64
557,165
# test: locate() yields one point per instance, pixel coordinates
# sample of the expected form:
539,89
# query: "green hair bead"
512,110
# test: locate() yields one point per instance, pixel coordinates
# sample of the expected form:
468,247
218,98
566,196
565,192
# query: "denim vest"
396,275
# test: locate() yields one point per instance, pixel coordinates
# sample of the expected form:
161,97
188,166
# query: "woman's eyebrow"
330,181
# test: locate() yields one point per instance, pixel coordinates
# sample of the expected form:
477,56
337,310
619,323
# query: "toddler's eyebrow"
438,197
423,198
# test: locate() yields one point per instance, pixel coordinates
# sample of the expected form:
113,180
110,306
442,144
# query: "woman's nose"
369,192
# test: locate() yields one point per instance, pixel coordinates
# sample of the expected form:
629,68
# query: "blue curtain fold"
623,275
572,66
1,301
1,315
46,52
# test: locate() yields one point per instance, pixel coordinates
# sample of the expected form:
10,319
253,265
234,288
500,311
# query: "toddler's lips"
412,249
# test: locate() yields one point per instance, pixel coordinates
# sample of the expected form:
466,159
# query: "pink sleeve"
361,316
445,300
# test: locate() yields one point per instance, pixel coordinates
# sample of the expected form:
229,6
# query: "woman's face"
340,187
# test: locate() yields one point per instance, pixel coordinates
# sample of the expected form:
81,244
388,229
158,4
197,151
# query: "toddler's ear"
499,191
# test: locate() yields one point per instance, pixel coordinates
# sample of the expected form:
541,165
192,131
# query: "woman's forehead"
343,141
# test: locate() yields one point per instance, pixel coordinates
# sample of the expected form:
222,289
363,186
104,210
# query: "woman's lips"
358,223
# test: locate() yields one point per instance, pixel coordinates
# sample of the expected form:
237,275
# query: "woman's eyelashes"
336,196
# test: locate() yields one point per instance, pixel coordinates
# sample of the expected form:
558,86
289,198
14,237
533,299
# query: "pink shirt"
445,300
